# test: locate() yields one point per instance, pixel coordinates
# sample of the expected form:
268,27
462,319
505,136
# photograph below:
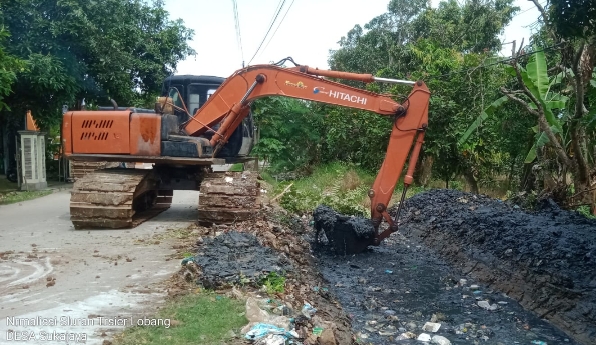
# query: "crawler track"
229,197
116,199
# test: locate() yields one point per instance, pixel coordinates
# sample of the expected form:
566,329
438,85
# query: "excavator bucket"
347,235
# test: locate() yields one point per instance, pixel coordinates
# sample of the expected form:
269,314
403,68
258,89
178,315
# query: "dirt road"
79,284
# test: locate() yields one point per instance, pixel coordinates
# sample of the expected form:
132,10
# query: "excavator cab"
193,91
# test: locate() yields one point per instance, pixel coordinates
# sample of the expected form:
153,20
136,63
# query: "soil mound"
545,259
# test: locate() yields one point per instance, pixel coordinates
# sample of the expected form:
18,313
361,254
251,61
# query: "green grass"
329,175
585,211
341,186
266,176
204,319
10,193
237,167
14,197
274,283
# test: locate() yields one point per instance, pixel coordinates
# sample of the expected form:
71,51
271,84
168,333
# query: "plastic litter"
440,340
317,330
539,342
424,337
256,315
271,339
317,289
308,310
187,260
406,335
388,271
261,330
431,327
486,305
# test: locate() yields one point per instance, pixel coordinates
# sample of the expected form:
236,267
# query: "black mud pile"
235,258
545,259
347,235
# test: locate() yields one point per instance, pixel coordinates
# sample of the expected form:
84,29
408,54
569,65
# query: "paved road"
66,279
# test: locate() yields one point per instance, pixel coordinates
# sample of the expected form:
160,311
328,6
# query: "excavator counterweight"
204,121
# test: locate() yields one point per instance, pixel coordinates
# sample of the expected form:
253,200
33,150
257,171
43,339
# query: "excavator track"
229,197
116,199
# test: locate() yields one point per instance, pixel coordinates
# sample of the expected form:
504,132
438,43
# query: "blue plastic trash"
187,260
262,329
308,310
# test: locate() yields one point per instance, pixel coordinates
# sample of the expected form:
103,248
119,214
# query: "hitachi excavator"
203,121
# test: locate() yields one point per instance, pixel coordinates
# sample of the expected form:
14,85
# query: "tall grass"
341,186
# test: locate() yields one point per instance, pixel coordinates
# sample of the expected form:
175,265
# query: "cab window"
194,98
175,93
210,92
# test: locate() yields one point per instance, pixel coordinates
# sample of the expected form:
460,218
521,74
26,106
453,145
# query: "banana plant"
589,120
536,80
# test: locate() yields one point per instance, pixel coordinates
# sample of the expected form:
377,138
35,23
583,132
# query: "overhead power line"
277,9
280,6
237,25
529,9
278,25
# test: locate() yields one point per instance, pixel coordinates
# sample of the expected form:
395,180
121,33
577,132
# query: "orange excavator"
184,147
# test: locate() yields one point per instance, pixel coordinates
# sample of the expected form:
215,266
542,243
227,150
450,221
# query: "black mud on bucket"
347,235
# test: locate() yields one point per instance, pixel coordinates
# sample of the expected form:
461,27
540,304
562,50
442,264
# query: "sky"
309,30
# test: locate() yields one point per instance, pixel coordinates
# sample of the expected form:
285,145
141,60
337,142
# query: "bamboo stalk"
282,193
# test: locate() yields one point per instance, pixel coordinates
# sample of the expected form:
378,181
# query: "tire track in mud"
40,270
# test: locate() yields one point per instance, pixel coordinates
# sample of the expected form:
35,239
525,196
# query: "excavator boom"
248,84
231,103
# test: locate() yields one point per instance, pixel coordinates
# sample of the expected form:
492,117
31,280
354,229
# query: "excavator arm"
230,104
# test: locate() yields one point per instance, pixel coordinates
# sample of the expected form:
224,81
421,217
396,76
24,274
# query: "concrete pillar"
33,160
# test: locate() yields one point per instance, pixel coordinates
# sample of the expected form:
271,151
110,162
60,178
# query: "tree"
470,27
570,26
9,67
572,18
559,97
290,133
96,50
444,46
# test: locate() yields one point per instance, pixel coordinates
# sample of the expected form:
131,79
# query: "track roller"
229,197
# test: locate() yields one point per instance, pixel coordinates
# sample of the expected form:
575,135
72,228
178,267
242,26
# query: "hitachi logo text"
347,97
